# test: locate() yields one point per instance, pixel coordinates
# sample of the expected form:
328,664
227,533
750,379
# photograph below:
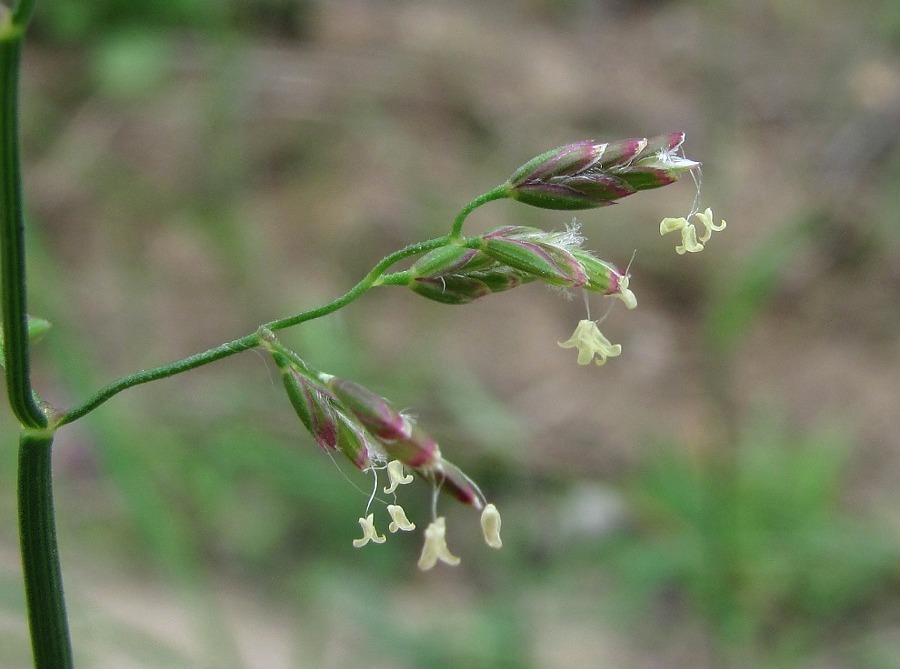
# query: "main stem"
47,621
40,554
12,232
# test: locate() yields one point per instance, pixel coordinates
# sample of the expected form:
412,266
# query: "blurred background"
724,494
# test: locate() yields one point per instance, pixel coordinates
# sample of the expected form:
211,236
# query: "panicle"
343,415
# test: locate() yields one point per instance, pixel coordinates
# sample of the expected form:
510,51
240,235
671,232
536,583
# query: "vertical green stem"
12,233
40,554
37,526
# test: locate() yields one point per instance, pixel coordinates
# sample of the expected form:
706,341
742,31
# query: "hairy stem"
367,282
156,373
40,554
251,340
497,193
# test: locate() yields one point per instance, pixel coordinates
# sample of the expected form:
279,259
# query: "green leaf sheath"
12,239
40,554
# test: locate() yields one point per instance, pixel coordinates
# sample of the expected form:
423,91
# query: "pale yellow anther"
590,342
708,222
435,547
490,526
399,521
690,242
396,476
369,534
626,295
668,225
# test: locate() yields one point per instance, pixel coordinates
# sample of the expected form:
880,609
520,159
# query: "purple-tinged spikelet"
590,174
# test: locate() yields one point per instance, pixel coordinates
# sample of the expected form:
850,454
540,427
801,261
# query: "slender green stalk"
40,554
147,375
367,282
497,193
370,280
251,340
12,229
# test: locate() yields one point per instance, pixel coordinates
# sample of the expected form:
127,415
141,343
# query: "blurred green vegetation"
96,22
756,544
201,527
